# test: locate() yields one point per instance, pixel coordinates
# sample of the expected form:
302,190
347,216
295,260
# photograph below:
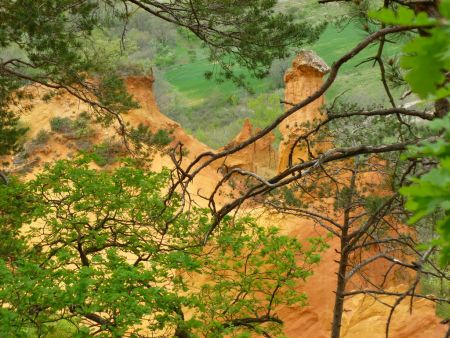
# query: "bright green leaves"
426,58
13,214
106,250
265,277
404,16
431,192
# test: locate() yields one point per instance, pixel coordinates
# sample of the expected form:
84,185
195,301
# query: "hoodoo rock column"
301,80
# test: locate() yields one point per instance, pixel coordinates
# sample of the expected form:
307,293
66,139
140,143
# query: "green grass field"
187,76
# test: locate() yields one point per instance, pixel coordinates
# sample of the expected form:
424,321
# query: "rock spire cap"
308,58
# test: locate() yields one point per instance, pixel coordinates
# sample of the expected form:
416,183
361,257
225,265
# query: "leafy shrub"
161,138
61,124
59,329
81,127
42,137
78,128
290,198
164,57
143,135
107,152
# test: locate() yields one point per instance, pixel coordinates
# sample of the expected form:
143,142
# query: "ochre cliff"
260,157
364,317
60,146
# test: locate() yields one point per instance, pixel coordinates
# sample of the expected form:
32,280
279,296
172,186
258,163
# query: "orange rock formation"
260,157
301,80
64,105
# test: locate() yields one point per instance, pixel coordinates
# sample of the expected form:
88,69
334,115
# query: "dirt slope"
364,317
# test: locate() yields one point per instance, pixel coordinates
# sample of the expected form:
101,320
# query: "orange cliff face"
303,79
141,88
61,146
259,157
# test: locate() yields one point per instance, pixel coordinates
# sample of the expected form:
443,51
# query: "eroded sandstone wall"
259,157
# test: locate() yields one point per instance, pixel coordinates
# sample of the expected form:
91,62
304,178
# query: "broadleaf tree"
105,252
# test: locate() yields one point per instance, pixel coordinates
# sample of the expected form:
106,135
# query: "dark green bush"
107,152
81,127
161,138
290,198
78,128
42,137
143,135
61,124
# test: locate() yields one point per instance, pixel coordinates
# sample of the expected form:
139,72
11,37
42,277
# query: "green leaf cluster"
108,252
431,192
426,58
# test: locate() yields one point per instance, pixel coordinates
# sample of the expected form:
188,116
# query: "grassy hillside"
205,105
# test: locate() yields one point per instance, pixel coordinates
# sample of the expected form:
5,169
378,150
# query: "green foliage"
103,251
426,58
13,214
440,288
59,329
53,46
113,94
107,152
161,138
404,16
61,124
42,137
266,108
63,44
290,198
373,203
165,57
431,192
10,131
79,128
251,23
143,135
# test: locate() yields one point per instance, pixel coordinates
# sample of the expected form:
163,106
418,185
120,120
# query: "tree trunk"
339,298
